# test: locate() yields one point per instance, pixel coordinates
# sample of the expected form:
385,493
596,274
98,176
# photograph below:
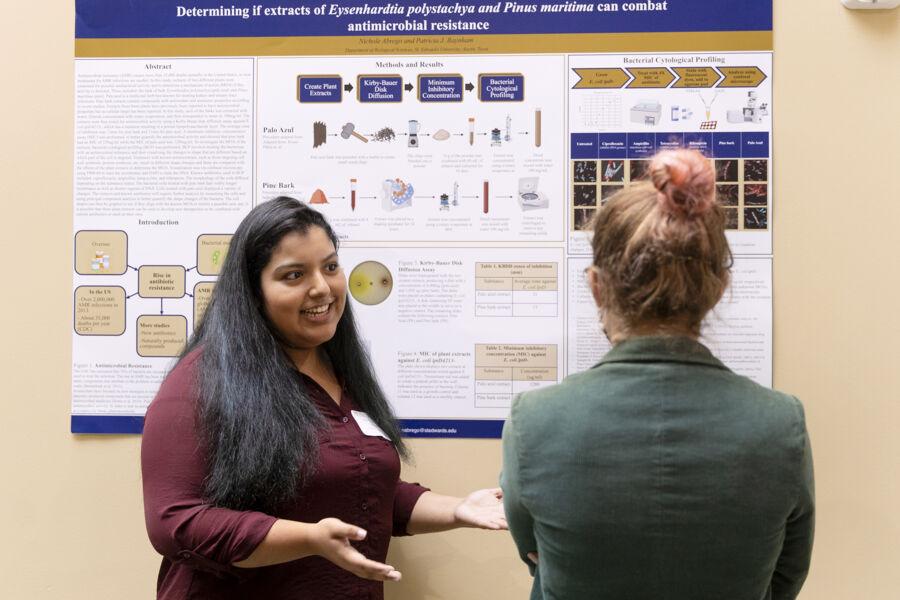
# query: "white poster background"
738,330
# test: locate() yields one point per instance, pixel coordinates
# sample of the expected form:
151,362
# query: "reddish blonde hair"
659,245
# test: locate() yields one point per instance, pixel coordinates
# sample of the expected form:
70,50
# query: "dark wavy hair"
259,427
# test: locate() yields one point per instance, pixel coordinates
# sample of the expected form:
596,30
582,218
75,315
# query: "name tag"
367,425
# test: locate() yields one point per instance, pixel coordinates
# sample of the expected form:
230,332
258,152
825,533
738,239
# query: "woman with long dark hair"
686,481
270,456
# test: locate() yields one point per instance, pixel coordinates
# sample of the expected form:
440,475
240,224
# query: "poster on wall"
459,149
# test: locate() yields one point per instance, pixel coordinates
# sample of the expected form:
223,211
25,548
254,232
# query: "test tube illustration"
353,193
486,196
471,131
537,128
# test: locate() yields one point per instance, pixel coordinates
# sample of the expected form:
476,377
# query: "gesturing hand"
331,540
483,509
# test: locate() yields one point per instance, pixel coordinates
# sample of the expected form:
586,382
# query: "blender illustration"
413,141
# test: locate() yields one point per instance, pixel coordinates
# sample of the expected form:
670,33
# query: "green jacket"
659,474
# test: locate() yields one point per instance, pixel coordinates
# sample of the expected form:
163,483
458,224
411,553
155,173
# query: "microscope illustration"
750,113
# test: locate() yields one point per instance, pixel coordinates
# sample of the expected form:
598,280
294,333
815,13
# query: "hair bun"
686,182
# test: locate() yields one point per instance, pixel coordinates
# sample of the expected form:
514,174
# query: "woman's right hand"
331,539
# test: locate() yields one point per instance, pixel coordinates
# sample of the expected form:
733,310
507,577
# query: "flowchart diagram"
430,149
102,309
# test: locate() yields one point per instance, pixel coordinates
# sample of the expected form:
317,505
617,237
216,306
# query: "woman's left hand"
482,509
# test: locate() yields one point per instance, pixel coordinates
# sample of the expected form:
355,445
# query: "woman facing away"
270,457
659,474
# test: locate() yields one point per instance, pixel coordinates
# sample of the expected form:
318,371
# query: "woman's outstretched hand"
331,539
482,509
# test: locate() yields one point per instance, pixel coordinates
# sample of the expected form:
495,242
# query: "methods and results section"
502,371
458,332
517,289
444,149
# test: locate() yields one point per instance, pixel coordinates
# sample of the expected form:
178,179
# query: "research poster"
460,151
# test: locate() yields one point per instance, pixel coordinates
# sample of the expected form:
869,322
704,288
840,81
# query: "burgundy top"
357,481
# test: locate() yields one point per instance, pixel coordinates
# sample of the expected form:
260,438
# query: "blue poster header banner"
117,19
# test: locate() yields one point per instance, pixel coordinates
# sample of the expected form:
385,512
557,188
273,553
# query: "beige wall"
72,505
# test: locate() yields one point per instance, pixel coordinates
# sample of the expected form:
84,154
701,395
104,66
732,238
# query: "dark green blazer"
659,474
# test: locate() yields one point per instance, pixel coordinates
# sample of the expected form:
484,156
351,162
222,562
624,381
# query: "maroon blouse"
357,481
